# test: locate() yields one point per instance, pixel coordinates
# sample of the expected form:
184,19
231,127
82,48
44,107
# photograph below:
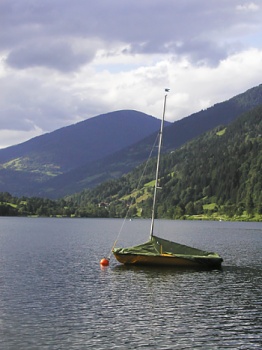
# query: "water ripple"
54,295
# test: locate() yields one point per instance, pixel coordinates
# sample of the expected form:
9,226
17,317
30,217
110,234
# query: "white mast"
157,165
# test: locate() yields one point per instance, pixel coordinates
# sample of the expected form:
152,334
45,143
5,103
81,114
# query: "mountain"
104,147
175,135
220,114
25,167
216,174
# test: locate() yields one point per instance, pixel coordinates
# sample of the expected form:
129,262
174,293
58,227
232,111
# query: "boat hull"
169,260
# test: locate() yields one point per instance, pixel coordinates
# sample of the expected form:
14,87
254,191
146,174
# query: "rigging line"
133,199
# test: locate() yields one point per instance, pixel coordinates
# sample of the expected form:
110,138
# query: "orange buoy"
104,262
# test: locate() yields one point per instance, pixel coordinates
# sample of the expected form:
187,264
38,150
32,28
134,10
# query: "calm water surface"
55,295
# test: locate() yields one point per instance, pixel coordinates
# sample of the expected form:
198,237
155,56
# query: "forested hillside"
217,174
178,133
104,147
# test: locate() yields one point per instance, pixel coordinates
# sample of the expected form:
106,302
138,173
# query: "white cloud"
14,137
65,61
249,6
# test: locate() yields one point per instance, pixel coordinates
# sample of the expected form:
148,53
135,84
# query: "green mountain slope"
104,147
220,114
176,134
25,167
219,173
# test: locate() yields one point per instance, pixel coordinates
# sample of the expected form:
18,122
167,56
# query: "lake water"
55,295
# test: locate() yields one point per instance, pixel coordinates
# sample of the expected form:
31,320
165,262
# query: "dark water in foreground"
54,294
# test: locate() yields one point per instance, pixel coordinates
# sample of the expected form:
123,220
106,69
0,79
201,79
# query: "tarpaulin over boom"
156,246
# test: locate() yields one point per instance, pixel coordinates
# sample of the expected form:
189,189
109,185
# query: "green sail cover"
156,246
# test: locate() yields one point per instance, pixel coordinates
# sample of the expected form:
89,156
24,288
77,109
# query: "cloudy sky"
62,61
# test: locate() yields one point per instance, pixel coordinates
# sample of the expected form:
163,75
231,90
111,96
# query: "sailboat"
162,252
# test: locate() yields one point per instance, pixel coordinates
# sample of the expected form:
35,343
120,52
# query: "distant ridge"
175,135
222,113
25,167
85,141
85,154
